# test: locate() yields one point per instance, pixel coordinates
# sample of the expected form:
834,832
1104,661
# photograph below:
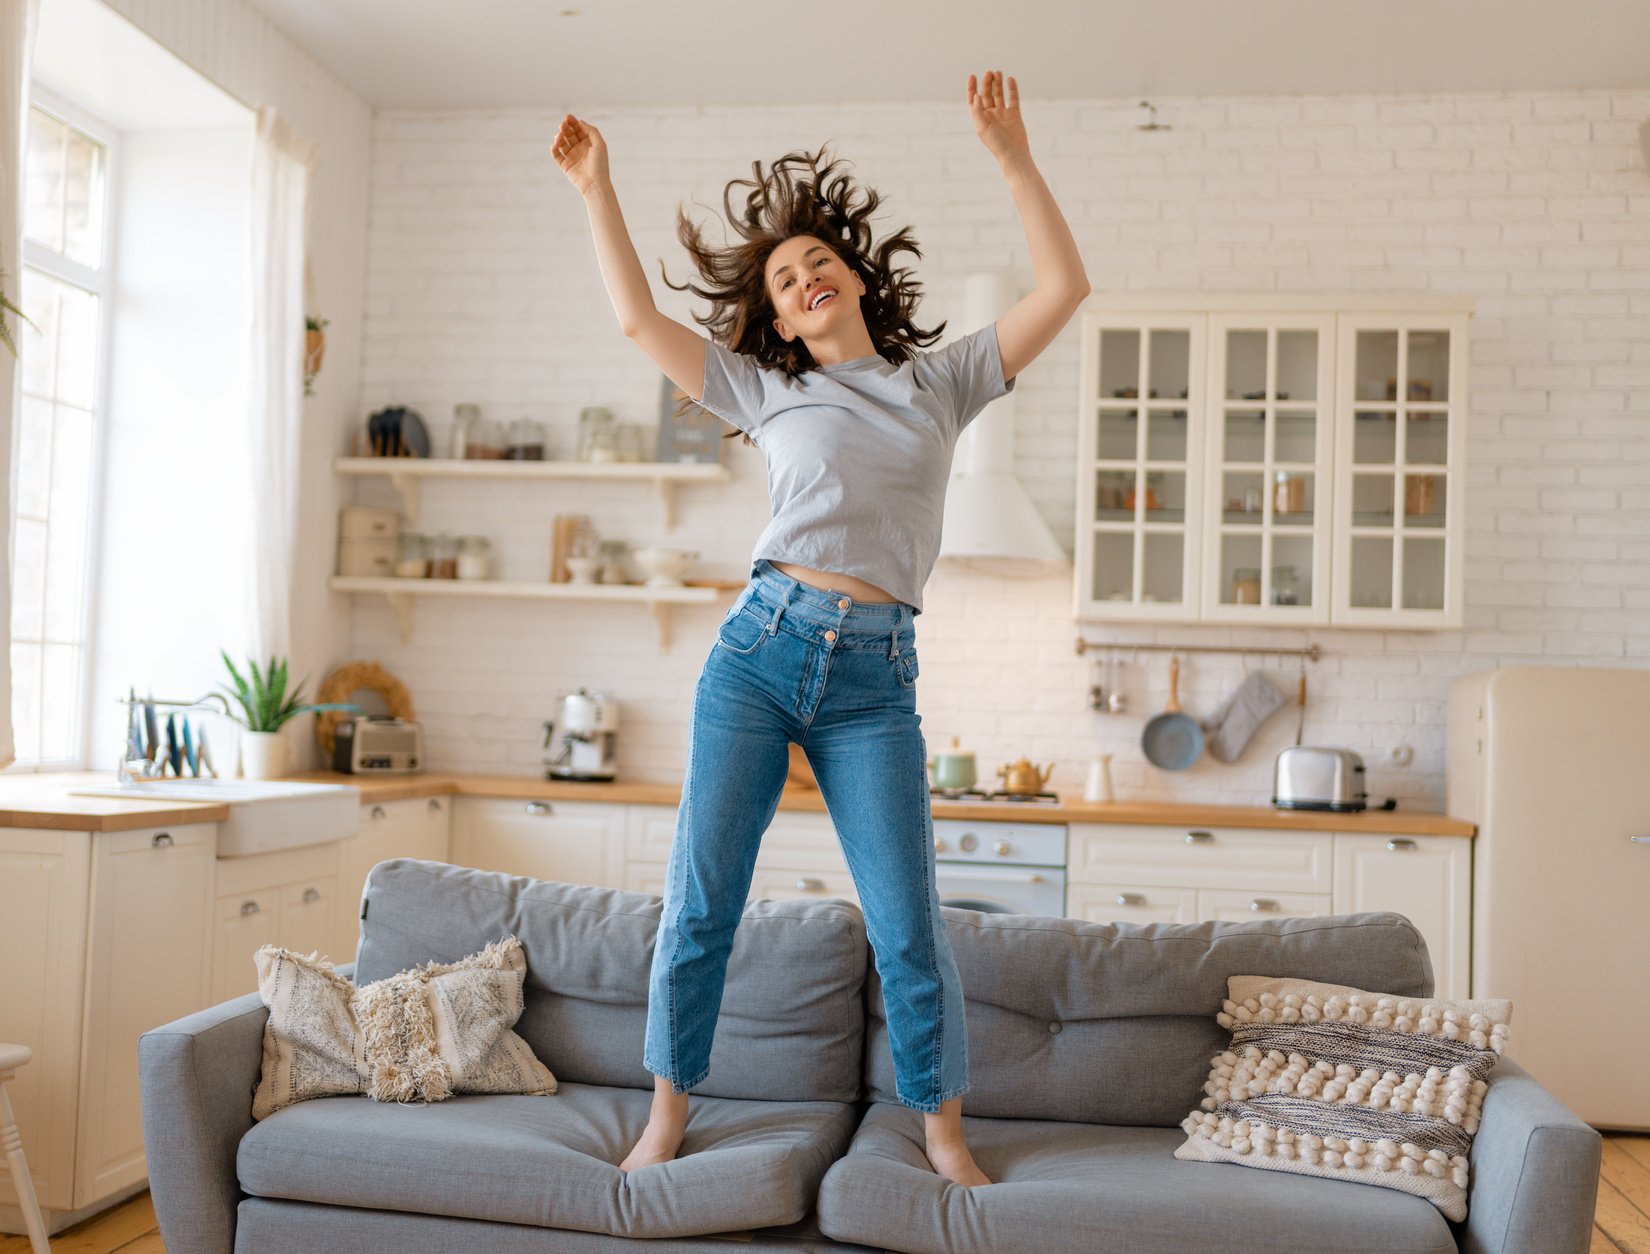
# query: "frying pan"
1172,740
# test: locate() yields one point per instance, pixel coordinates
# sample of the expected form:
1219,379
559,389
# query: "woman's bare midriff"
833,581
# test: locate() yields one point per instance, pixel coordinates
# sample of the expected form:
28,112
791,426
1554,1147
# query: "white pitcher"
1098,787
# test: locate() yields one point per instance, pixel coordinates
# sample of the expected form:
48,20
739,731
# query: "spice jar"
1289,493
525,441
1285,590
485,441
412,559
629,438
472,557
1420,495
443,557
1246,585
596,432
465,416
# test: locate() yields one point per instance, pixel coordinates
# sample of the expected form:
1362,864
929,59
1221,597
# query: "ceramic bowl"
665,567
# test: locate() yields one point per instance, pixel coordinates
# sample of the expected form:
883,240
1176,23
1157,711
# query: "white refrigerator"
1553,765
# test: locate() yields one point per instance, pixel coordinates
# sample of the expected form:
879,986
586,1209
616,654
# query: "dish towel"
1239,717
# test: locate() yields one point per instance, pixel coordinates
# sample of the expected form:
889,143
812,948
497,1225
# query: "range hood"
991,525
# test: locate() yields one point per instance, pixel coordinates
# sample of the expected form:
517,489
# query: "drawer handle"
312,894
378,812
809,885
1639,840
1131,899
162,840
1401,846
538,807
1197,838
434,807
1263,903
249,907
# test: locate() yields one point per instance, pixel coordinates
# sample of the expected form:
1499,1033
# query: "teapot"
1023,777
953,770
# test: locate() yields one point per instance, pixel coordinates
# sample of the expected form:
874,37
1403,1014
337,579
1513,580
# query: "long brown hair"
802,194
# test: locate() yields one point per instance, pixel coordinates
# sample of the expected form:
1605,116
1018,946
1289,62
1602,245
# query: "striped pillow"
1325,1080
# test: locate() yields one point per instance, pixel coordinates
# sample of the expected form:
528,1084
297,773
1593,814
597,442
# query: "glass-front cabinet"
1272,461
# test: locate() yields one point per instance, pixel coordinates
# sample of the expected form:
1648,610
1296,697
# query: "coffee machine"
589,733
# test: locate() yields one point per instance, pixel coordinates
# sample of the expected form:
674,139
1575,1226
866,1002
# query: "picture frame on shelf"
688,432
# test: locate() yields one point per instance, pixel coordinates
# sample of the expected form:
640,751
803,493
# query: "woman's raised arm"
679,351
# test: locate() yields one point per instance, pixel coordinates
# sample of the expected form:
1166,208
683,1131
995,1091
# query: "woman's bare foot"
666,1125
947,1152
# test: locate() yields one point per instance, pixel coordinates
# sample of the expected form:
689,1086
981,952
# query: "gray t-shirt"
859,453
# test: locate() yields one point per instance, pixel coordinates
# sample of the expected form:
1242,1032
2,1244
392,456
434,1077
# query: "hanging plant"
7,337
315,347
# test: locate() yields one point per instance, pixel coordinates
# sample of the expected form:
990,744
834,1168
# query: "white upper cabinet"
1273,460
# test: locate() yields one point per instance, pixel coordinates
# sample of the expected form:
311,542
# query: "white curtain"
281,167
18,23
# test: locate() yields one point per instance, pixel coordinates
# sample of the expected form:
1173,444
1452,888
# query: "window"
64,292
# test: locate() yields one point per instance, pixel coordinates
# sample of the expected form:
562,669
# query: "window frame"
100,282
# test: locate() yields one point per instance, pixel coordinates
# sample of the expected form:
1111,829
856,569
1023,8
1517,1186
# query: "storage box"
356,522
366,557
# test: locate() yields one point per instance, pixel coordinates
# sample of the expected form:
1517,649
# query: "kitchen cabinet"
1427,879
1273,461
800,855
413,827
289,898
575,842
106,935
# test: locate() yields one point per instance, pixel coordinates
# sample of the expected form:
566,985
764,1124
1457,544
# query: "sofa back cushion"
792,1022
1114,1022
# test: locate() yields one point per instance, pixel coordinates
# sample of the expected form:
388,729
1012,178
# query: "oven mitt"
1239,717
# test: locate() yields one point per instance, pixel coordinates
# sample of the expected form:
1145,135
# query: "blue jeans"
796,663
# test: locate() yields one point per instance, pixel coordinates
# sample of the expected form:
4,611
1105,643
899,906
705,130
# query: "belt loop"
893,645
779,610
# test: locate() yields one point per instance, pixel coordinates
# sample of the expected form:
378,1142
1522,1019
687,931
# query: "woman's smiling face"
808,285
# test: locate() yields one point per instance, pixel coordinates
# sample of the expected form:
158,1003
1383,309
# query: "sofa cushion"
1114,1022
551,1162
792,1021
1097,1189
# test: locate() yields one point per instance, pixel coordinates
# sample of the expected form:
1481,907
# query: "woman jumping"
814,357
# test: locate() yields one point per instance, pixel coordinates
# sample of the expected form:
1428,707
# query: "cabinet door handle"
538,807
808,885
377,812
1401,846
162,840
249,907
1263,903
1131,899
312,894
434,807
1639,840
1198,838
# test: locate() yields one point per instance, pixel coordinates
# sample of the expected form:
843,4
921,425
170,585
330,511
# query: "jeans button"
830,635
843,604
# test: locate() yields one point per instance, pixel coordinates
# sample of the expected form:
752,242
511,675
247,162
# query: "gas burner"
994,798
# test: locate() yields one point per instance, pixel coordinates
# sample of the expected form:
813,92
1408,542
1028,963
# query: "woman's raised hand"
581,152
997,116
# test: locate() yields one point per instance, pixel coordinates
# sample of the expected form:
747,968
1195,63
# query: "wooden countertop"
42,801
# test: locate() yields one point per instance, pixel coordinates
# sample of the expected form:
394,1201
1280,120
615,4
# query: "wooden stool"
11,1058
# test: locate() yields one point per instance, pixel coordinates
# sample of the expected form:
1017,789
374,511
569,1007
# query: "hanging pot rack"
1310,652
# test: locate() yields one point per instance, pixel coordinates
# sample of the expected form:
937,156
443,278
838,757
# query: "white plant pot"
263,755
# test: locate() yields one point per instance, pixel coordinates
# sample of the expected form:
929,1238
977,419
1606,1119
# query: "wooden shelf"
400,593
406,473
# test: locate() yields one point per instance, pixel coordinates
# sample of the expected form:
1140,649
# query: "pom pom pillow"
1325,1080
418,1036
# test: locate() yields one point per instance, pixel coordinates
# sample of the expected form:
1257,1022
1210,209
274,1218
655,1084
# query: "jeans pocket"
905,667
742,632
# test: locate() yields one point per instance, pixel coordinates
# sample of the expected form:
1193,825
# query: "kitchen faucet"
131,751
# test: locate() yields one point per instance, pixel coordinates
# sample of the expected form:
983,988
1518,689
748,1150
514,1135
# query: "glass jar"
615,554
1285,587
472,557
443,557
596,439
412,558
525,441
1289,493
630,439
465,416
486,441
1246,585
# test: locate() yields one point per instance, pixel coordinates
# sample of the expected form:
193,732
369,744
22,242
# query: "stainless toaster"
377,746
1310,778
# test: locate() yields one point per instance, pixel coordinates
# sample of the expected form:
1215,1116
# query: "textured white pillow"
1325,1080
419,1036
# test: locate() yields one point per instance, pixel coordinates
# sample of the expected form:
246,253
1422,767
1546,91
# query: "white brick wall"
482,285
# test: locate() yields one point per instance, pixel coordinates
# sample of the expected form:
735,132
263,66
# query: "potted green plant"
265,707
6,307
315,347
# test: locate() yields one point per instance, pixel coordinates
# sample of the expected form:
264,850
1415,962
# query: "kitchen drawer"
1240,907
780,883
804,842
646,877
1130,903
1201,857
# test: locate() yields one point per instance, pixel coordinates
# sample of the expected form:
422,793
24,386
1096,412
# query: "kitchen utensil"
1235,721
1172,740
1310,778
952,769
174,750
189,754
1116,701
1300,703
151,730
415,437
1023,778
1098,787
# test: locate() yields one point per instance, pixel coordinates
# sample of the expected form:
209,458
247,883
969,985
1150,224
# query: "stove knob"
969,842
939,845
1000,849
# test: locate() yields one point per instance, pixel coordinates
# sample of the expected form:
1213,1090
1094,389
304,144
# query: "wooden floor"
1621,1224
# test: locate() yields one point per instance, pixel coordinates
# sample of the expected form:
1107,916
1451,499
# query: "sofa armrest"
1535,1169
196,1076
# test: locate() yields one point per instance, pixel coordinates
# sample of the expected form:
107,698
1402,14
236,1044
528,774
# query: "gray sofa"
1088,1044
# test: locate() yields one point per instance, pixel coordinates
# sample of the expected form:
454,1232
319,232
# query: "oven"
1001,867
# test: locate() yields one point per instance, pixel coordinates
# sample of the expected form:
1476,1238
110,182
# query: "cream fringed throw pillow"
419,1036
1325,1080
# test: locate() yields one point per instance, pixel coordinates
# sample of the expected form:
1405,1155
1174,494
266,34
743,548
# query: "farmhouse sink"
264,814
